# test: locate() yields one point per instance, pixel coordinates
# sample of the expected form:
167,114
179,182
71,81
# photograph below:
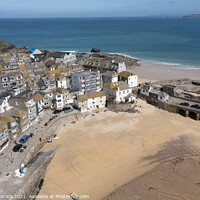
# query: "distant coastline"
192,16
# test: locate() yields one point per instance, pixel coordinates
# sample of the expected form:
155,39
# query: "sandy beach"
102,153
156,71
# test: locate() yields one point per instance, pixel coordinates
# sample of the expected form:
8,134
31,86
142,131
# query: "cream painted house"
90,101
69,58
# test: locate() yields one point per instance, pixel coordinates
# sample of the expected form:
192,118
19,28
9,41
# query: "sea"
170,41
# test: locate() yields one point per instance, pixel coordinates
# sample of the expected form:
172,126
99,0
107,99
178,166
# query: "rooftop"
85,73
120,84
92,95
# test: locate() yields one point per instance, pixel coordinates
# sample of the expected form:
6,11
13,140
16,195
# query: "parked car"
24,138
17,147
57,111
184,104
195,106
69,110
66,108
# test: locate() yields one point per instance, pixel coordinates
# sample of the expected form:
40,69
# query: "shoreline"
161,72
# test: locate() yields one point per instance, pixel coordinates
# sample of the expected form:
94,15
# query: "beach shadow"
174,151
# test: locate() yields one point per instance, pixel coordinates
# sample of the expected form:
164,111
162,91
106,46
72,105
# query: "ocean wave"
174,65
166,63
69,51
125,55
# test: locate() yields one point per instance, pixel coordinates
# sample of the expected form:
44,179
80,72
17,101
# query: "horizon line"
156,16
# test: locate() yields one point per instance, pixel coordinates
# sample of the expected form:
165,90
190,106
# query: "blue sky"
96,8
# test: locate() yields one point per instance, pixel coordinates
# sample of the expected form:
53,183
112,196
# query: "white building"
4,139
120,90
69,58
90,101
86,81
130,78
4,105
62,81
59,100
163,97
120,67
38,99
145,90
32,111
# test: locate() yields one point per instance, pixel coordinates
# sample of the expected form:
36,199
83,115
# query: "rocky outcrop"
6,47
95,50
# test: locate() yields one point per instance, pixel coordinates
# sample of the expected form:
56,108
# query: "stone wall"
35,171
120,107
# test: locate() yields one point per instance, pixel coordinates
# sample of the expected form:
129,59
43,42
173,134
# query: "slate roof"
92,95
114,86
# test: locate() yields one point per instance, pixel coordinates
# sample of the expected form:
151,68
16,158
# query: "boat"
74,196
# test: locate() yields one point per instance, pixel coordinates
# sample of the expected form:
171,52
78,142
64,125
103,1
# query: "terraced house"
24,101
90,101
21,117
13,128
38,99
4,138
12,80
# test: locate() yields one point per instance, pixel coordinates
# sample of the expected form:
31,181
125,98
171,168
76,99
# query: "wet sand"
100,154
